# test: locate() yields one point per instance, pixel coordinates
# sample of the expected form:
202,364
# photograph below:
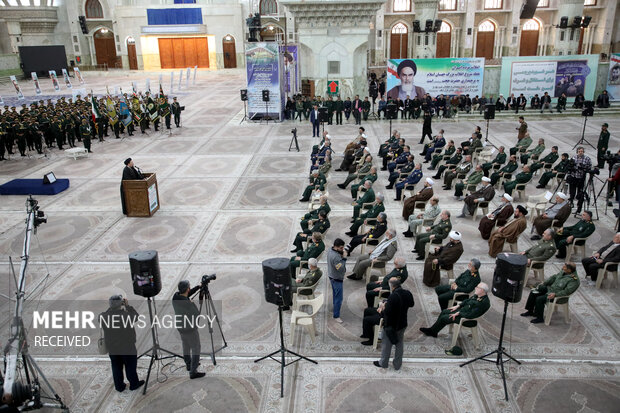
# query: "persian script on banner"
18,90
54,80
35,80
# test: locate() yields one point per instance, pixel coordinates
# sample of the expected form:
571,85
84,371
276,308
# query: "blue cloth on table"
33,187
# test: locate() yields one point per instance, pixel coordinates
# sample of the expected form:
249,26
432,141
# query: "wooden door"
132,57
230,55
105,49
191,57
398,46
484,45
529,43
443,44
183,52
165,54
580,48
202,50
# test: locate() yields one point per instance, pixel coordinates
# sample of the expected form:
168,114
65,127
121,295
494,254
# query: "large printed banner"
291,68
613,81
415,77
263,72
555,75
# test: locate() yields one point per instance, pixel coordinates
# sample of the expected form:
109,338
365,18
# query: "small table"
76,152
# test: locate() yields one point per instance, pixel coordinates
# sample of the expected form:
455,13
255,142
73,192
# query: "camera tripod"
155,351
589,194
204,296
294,140
583,139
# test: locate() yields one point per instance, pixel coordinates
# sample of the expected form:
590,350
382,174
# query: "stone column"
468,41
425,10
570,9
602,35
15,34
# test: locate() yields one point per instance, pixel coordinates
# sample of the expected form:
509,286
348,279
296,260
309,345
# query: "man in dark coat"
498,217
608,253
443,257
130,172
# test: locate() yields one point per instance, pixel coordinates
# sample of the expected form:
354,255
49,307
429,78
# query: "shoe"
123,389
560,256
338,320
527,314
286,308
408,234
304,200
535,237
140,384
351,276
461,216
396,199
436,177
196,375
431,169
390,187
376,363
341,186
537,320
540,186
367,343
363,336
383,169
426,162
427,332
350,234
294,250
419,258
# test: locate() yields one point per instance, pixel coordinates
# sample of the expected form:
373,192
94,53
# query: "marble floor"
229,199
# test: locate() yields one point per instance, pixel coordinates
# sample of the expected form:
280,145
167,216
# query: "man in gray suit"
383,253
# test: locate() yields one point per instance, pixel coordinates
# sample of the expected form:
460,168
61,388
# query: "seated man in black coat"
374,233
608,253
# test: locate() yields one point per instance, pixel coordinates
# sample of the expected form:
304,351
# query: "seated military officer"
374,287
320,225
374,233
464,283
314,249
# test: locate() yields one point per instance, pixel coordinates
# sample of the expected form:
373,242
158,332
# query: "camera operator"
187,310
614,178
120,340
578,168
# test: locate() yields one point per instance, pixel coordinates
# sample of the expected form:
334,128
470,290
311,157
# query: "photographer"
120,340
578,167
188,330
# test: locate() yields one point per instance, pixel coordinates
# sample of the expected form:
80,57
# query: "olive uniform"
465,283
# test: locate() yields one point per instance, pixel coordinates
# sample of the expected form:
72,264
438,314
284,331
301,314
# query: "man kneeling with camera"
187,311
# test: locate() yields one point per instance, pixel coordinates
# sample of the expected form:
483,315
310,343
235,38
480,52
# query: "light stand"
27,395
155,351
499,351
211,315
266,118
294,140
583,139
373,114
245,112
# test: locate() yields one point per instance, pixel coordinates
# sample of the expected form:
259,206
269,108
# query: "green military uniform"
313,251
521,144
475,144
364,169
338,108
532,153
582,229
314,215
561,284
541,251
299,107
473,307
473,179
20,132
547,176
500,159
372,213
521,178
549,159
355,188
385,147
365,109
465,283
86,134
440,230
436,158
367,198
509,168
311,278
601,147
319,226
317,182
400,273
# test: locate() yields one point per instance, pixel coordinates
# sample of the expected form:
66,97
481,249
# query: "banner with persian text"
263,65
613,80
415,77
530,75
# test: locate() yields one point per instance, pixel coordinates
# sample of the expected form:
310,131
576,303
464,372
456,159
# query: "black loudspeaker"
49,178
563,22
244,95
145,277
437,26
429,26
489,111
416,26
586,21
528,9
576,22
391,111
266,95
588,108
323,114
277,281
509,276
83,26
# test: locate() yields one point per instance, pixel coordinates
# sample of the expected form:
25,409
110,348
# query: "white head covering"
562,195
430,181
363,135
455,235
486,179
508,197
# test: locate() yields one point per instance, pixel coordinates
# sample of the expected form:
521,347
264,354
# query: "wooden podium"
141,196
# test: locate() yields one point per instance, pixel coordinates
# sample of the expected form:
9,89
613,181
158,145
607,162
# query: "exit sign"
332,87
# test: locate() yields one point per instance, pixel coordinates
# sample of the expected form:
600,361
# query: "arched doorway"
131,53
398,42
105,49
230,54
271,34
529,38
486,40
444,40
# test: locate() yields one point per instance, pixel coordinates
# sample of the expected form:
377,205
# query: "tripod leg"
148,375
501,363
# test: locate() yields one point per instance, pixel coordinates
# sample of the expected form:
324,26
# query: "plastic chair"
300,318
555,304
378,266
520,188
537,271
482,205
536,205
577,243
299,298
376,338
472,324
602,274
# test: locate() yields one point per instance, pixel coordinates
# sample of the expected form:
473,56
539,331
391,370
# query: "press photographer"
187,311
578,168
120,342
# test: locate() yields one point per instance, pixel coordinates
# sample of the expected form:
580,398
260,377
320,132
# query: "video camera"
206,279
611,159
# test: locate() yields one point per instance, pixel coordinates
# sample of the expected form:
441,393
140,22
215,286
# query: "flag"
152,109
164,108
125,115
135,104
94,108
111,109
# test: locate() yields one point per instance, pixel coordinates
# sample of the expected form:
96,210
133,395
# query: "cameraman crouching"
578,168
187,312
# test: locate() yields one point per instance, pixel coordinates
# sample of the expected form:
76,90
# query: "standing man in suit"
176,111
130,172
356,107
608,253
314,119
